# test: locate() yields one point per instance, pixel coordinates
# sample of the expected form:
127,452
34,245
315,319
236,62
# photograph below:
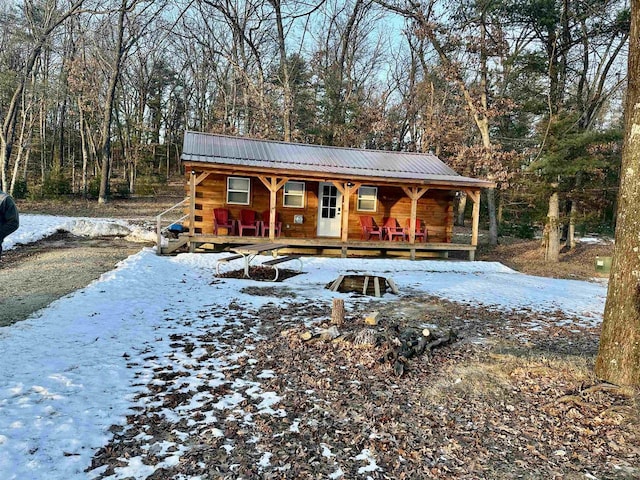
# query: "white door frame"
329,210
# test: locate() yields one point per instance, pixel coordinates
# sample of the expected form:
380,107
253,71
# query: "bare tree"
348,52
475,89
287,111
51,18
134,28
116,65
247,55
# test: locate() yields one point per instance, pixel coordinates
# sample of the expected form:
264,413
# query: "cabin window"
293,195
238,190
367,199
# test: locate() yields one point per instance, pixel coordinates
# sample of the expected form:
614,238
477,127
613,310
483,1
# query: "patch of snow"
367,456
36,227
326,451
339,473
596,240
265,460
294,428
135,469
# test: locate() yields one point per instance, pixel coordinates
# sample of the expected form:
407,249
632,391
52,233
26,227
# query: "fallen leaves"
505,401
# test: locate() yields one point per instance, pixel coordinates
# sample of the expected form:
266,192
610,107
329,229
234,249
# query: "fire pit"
372,285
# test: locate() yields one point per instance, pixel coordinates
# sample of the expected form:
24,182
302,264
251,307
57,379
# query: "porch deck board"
332,243
228,242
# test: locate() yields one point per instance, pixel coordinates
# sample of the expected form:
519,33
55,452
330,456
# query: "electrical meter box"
603,264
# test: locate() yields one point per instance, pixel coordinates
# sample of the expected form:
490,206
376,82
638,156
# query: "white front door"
329,210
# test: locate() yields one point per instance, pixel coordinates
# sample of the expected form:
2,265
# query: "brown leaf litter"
252,400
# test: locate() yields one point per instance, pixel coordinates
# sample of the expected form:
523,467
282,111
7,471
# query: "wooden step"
174,245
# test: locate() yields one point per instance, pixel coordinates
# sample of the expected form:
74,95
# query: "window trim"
375,199
303,194
248,191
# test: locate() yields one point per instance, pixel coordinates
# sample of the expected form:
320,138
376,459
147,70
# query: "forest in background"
95,94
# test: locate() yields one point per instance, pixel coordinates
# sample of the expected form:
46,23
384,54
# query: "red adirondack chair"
248,222
221,219
265,223
393,230
420,231
369,228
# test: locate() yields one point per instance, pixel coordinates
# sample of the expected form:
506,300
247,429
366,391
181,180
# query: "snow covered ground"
66,374
35,227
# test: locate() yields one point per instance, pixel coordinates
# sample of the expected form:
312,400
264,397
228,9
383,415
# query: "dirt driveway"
32,276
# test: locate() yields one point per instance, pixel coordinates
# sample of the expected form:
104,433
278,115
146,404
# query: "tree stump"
337,312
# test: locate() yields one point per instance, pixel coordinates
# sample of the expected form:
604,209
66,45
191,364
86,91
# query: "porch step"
174,245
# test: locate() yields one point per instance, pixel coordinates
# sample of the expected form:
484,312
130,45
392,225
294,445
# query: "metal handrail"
159,223
172,208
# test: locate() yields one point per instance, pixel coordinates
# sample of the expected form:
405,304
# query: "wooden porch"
322,246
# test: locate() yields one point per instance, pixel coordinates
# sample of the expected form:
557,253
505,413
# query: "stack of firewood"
402,344
399,344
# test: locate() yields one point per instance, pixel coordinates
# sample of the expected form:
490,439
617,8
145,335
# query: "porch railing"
159,222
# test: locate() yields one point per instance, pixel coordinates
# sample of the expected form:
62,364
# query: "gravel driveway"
32,276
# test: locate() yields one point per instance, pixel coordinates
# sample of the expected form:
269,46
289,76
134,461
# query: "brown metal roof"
248,152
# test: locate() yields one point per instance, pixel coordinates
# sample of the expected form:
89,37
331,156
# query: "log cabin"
316,199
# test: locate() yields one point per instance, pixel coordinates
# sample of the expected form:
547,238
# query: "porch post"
414,193
475,219
273,185
273,200
346,190
192,208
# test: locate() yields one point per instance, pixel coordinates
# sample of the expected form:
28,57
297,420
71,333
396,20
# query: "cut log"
337,312
327,334
372,318
321,334
306,335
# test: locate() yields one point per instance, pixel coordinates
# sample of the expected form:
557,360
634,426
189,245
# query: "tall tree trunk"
493,218
107,117
287,113
462,206
552,247
63,91
484,129
571,232
43,138
84,148
618,358
24,139
478,108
